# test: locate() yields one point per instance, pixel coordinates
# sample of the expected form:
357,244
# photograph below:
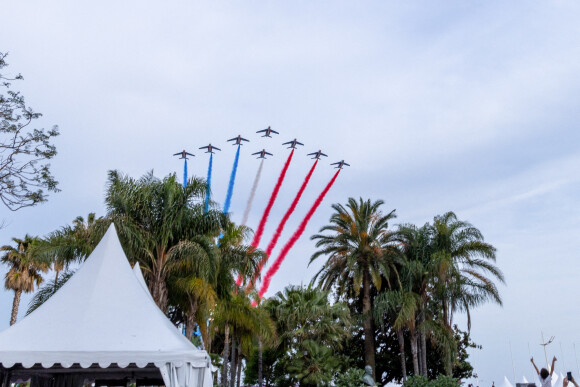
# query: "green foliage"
351,378
163,226
311,335
461,367
313,365
23,150
417,381
422,381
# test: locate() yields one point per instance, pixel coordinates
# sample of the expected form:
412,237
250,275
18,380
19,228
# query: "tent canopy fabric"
103,315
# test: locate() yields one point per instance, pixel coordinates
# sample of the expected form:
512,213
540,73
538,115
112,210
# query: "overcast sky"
438,106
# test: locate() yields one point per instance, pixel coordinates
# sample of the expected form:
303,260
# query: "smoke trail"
276,265
260,229
184,173
232,181
252,193
282,224
208,184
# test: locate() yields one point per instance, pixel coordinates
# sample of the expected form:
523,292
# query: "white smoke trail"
252,193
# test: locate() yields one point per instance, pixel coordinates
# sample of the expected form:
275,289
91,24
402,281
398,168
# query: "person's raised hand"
532,359
554,358
565,382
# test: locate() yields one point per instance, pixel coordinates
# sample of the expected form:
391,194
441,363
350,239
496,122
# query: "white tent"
102,324
506,382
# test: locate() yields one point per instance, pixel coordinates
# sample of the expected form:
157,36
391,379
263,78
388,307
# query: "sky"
438,106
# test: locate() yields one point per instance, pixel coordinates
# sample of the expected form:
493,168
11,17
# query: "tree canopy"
24,150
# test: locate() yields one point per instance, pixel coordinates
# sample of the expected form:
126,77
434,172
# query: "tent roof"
103,315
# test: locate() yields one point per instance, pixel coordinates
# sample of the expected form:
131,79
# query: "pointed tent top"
101,315
141,279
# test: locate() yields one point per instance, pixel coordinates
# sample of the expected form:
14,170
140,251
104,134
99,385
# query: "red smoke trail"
289,212
260,229
276,265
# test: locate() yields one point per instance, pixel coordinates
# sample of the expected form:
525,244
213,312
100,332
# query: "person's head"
368,370
544,373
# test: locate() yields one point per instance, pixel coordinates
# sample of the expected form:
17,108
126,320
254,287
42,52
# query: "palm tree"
465,269
24,270
240,320
235,256
160,222
361,254
417,275
72,243
311,332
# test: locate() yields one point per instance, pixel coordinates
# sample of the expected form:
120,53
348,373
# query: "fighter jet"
183,154
210,148
262,154
268,131
238,140
292,143
340,164
317,155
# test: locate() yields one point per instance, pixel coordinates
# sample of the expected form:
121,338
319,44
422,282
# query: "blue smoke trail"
208,184
232,181
184,173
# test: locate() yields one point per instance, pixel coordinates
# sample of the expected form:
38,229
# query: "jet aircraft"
183,154
292,143
340,164
268,131
238,140
210,148
317,155
262,154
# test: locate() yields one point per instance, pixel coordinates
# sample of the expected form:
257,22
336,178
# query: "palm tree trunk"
55,280
414,351
239,361
233,360
226,355
402,353
15,305
423,344
419,352
260,352
369,333
447,324
158,285
159,291
190,319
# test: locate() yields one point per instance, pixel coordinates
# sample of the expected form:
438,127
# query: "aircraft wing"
273,131
312,154
215,147
286,143
177,154
262,131
233,139
299,143
204,147
268,153
348,165
243,139
322,154
257,153
191,154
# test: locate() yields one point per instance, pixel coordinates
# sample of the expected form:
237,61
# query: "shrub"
422,381
351,378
